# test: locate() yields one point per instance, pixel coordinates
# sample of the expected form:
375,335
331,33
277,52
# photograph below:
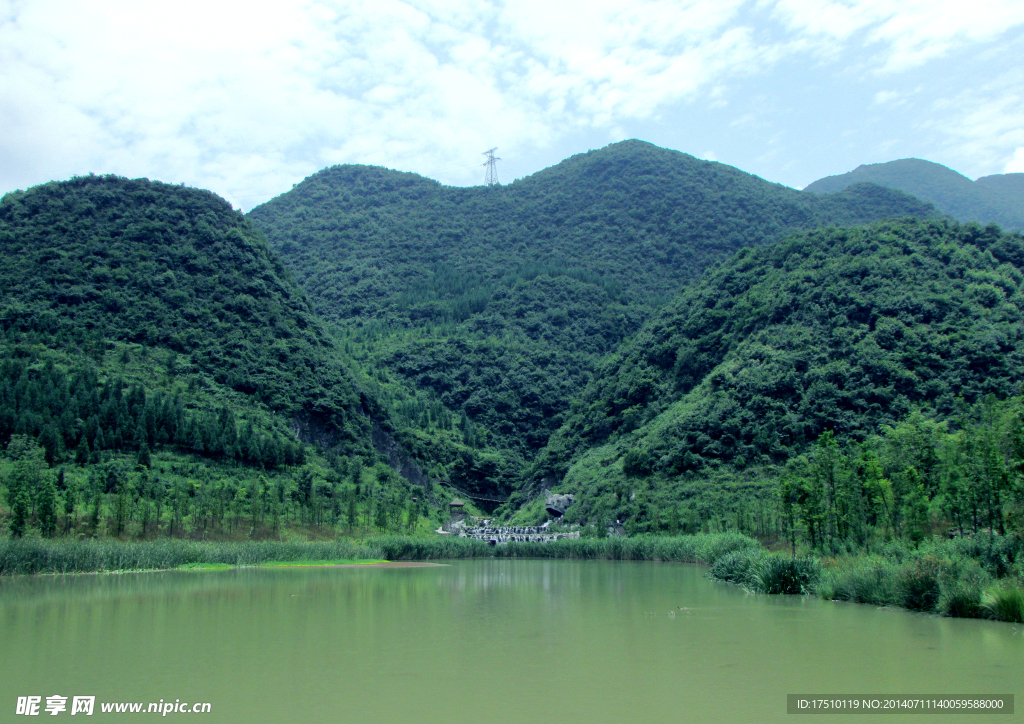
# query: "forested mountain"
995,199
107,258
154,344
494,303
837,331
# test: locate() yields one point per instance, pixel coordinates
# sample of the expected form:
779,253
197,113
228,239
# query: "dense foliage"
838,330
997,199
107,258
160,373
497,302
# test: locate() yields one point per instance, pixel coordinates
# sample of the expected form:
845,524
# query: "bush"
35,555
868,581
1005,603
961,586
917,585
961,599
736,567
777,574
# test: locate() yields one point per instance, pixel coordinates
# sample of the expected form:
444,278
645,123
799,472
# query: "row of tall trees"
918,478
77,416
120,499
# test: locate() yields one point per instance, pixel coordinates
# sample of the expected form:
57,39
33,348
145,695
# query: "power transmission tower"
491,163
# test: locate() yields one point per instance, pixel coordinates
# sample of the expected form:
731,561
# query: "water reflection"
537,641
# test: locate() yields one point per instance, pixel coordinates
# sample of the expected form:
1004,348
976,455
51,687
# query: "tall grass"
761,572
24,556
1005,603
35,555
951,586
778,574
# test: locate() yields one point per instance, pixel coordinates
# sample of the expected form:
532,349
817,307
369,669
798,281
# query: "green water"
486,641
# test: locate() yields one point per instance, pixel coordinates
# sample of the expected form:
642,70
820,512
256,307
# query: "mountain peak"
993,200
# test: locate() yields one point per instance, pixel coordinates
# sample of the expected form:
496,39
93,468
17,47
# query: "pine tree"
145,459
82,451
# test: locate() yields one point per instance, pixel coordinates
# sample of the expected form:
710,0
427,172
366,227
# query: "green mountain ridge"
997,199
497,302
834,330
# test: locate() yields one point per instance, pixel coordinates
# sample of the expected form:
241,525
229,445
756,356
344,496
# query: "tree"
915,507
70,501
96,511
24,481
351,513
257,492
412,516
788,499
46,507
144,459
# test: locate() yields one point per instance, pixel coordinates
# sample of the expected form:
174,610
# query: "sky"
248,98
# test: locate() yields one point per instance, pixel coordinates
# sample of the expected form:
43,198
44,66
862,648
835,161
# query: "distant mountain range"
997,199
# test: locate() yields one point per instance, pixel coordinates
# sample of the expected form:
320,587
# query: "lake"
489,641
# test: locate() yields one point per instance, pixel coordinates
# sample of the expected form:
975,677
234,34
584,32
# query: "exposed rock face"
557,504
399,459
314,429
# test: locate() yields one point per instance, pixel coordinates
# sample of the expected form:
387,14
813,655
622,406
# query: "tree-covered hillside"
173,267
367,242
997,199
835,330
512,293
153,347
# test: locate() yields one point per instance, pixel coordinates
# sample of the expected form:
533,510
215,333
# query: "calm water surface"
482,641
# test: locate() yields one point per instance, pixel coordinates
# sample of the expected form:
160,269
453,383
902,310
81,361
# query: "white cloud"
910,32
248,97
1016,162
983,125
883,97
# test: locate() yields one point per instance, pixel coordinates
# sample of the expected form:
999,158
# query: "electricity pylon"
491,163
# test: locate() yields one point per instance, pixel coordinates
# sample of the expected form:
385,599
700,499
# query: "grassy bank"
969,577
977,577
26,556
35,555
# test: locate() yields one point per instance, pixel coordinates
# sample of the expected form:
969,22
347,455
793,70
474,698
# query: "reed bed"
36,555
964,578
28,556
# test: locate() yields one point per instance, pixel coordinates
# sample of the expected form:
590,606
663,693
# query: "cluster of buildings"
465,526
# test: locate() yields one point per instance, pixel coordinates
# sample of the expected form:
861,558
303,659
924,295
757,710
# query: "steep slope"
161,357
497,301
174,267
843,330
997,199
